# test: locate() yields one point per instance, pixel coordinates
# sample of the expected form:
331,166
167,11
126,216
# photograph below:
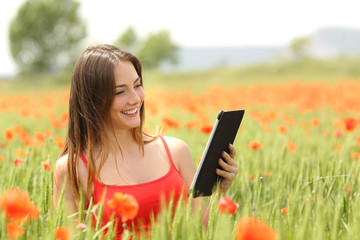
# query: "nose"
134,97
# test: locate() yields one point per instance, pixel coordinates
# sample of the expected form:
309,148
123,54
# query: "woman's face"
129,96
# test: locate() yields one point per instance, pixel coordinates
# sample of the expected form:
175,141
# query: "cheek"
141,94
116,104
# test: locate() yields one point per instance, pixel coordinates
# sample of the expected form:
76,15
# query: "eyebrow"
124,85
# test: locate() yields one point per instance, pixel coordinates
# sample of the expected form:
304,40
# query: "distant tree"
158,48
299,47
154,50
128,40
44,35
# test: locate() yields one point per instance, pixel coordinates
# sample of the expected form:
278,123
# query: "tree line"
45,37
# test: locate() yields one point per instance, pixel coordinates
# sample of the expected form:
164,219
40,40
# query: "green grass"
312,182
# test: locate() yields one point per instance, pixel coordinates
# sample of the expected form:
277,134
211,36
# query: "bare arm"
184,162
60,178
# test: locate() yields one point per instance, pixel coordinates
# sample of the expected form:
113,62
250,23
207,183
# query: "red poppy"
206,129
355,155
1,158
338,148
338,133
251,177
14,230
251,228
9,134
284,211
59,142
350,123
46,165
255,145
291,146
282,129
20,152
170,122
348,189
315,122
17,205
18,129
125,205
227,205
18,161
62,233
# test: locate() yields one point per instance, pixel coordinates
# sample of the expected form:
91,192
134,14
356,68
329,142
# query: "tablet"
224,132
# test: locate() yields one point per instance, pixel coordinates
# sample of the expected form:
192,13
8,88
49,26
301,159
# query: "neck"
124,138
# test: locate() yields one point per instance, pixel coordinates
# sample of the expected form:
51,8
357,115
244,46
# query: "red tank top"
150,195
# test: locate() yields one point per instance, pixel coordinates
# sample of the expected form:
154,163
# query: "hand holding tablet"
223,134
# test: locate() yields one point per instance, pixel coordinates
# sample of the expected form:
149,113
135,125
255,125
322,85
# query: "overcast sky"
201,22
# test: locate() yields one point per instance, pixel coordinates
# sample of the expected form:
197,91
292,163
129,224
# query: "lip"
131,115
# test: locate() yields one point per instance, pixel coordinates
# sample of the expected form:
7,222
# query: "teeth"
130,111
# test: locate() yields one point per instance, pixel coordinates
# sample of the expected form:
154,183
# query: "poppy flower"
170,122
59,142
355,155
20,152
46,165
250,228
284,211
227,205
338,148
18,129
255,145
26,139
282,129
251,177
9,134
18,161
191,125
348,189
291,146
14,230
17,205
62,233
1,158
350,123
338,133
125,205
206,129
315,122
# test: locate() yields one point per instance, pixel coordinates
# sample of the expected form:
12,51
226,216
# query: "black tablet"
223,133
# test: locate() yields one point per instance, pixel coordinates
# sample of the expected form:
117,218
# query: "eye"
139,85
118,93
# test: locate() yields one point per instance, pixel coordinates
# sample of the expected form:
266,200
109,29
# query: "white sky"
201,22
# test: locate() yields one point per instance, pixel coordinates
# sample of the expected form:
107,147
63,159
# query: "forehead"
124,72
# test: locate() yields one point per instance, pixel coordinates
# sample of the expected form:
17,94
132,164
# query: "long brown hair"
91,95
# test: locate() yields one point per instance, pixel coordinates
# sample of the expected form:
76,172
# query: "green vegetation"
268,73
44,35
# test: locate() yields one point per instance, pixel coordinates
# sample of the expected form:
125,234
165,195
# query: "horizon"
232,23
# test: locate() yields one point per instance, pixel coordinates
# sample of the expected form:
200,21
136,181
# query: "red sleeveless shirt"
150,195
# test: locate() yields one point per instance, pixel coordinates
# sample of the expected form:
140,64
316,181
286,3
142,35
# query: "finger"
232,151
227,167
229,159
229,176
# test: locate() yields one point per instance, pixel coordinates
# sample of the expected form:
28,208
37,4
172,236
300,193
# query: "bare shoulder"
176,145
182,159
61,165
180,152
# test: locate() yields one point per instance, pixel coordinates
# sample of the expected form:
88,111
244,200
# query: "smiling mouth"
130,112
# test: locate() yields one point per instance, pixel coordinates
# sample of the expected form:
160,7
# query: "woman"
106,147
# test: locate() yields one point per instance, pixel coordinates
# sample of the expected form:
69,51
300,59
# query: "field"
298,150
